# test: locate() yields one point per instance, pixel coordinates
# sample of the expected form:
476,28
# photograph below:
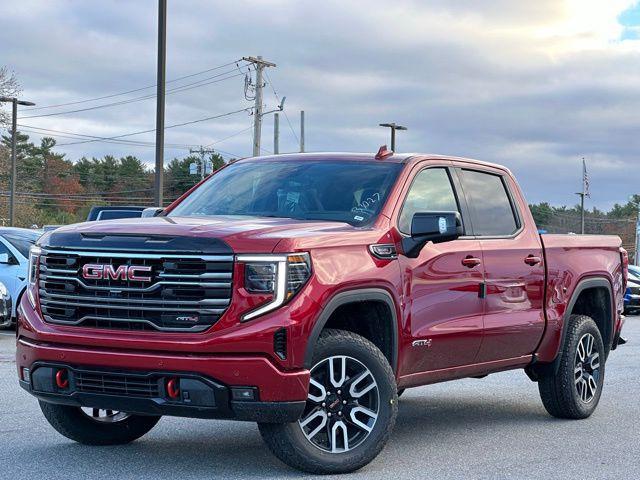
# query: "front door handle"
471,262
532,260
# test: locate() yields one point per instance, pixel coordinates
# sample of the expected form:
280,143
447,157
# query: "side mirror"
436,227
151,212
4,258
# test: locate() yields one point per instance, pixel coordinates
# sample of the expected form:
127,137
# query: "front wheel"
350,412
573,390
93,426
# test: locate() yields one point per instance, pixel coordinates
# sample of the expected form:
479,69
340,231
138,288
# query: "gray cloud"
468,78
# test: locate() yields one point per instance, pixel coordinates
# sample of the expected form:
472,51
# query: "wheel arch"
359,299
593,297
604,318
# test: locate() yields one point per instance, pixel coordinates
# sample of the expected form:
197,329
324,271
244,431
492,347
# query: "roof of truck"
350,156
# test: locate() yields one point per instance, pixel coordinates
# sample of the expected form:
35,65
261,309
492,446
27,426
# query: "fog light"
244,394
26,375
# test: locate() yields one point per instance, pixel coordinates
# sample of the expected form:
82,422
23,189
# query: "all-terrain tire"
74,424
291,446
559,390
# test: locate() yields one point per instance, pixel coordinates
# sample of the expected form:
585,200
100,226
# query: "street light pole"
393,127
14,140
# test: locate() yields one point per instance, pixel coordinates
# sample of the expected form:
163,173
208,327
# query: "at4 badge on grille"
134,273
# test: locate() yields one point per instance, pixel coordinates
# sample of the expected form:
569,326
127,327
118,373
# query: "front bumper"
280,395
145,394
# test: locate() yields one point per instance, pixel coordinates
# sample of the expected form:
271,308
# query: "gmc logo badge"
94,271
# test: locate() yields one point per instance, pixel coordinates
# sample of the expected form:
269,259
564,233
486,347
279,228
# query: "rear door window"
492,210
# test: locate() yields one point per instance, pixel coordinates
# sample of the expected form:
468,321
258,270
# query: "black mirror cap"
436,227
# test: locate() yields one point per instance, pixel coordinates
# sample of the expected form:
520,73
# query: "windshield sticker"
365,206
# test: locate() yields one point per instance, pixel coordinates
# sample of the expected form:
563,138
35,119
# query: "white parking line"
8,334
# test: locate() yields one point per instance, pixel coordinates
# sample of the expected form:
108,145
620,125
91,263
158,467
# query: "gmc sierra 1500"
306,292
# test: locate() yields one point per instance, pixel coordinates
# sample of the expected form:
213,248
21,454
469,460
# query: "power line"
72,135
283,111
235,62
230,136
132,143
191,122
182,88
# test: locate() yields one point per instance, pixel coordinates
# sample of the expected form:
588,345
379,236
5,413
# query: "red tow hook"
62,378
173,390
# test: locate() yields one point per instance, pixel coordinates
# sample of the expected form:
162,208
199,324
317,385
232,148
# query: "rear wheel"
93,426
573,391
350,412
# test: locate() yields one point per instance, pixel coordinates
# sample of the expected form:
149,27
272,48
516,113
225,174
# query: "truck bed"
570,260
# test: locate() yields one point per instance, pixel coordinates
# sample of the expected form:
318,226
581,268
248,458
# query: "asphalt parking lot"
494,428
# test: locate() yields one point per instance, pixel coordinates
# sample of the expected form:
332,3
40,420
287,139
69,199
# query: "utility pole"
203,162
162,57
393,127
301,131
276,133
14,140
259,64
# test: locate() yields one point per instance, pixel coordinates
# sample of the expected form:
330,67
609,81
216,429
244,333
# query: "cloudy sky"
535,85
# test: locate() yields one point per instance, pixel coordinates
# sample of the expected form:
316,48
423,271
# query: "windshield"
345,191
22,240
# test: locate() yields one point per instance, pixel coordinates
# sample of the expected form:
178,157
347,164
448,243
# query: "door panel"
513,267
514,321
443,304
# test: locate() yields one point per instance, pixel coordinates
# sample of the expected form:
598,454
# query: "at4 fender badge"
421,343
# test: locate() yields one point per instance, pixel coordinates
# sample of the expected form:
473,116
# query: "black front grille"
184,292
117,384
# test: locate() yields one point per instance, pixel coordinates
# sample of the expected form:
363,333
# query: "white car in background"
5,306
14,260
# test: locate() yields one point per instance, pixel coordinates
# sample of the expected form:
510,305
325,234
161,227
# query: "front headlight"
280,275
34,265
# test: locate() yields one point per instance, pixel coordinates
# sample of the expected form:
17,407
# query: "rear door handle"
532,260
471,262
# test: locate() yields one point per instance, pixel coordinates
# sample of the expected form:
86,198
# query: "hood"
242,234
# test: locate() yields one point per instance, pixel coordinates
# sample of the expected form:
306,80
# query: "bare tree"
9,87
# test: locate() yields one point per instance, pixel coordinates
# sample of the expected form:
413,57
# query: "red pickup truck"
306,292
